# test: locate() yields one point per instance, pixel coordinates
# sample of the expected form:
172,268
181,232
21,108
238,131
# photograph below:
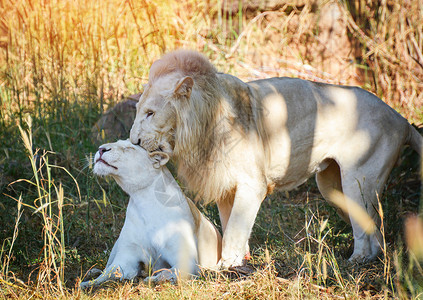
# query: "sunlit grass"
57,52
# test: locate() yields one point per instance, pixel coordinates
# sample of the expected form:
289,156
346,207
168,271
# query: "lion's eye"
149,113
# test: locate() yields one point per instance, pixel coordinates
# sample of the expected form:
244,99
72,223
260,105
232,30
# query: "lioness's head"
171,82
130,165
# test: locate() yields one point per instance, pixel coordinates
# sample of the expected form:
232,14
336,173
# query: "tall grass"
55,52
49,205
390,39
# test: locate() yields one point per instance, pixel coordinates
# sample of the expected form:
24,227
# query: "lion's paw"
226,264
358,259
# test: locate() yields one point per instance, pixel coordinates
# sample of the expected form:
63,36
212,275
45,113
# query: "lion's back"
307,121
304,98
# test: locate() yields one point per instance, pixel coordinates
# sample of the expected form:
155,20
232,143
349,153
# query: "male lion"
234,142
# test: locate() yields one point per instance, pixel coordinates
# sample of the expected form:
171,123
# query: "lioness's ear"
158,158
183,87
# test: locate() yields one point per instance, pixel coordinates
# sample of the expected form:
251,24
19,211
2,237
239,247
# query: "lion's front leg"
225,207
241,220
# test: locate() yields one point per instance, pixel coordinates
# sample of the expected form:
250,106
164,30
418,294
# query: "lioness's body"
163,229
234,142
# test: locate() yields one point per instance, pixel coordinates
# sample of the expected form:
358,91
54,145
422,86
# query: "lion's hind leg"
354,197
362,185
330,185
361,192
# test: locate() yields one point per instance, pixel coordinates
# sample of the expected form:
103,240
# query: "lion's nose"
102,150
134,138
134,134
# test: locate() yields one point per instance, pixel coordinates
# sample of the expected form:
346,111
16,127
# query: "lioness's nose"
101,150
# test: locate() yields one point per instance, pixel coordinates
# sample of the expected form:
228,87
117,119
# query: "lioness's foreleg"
122,264
246,204
112,272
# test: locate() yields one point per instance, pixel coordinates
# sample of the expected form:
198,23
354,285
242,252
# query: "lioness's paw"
86,284
92,273
89,278
162,277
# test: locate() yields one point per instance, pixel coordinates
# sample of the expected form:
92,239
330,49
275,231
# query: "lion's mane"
204,132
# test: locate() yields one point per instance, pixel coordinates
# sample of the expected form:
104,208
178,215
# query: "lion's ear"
184,87
158,158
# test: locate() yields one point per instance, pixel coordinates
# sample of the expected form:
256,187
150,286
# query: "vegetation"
63,63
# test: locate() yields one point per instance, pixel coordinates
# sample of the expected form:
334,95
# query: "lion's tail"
415,140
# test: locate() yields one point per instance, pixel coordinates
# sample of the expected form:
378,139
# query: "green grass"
63,63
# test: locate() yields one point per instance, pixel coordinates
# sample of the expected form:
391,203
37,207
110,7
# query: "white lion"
235,142
163,229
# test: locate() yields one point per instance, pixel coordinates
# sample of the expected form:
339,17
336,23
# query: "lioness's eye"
149,113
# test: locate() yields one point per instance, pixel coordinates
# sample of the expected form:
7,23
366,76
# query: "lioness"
235,142
163,229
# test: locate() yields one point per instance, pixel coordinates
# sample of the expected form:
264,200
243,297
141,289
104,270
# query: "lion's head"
183,112
154,123
177,81
130,165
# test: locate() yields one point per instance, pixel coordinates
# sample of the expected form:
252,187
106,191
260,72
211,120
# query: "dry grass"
57,52
391,41
65,62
